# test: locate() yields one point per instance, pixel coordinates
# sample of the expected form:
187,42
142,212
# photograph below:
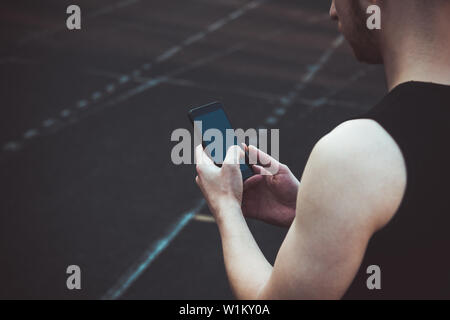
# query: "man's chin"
369,58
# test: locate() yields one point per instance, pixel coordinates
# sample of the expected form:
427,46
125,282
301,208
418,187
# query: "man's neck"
414,56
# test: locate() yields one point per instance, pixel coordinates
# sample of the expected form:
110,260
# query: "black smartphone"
213,116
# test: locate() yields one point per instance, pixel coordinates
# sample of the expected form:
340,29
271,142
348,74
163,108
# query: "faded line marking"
311,72
122,79
168,54
236,14
131,276
253,94
96,95
48,123
102,73
271,120
30,133
217,25
196,37
110,88
150,255
82,104
65,113
11,146
204,218
327,99
150,83
62,26
279,111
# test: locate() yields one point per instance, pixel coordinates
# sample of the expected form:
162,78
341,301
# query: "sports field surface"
86,176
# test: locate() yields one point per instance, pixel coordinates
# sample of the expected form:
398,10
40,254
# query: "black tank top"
413,250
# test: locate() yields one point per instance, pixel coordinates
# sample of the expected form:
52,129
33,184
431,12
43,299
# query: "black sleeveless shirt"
413,250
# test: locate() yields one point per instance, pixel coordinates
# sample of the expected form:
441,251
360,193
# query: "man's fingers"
204,163
261,157
261,170
201,157
234,155
271,164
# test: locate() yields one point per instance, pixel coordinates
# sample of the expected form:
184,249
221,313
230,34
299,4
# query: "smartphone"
213,116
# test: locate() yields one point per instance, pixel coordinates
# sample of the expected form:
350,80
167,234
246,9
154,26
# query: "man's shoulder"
360,157
362,136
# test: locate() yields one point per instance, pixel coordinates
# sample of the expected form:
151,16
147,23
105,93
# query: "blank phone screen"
218,120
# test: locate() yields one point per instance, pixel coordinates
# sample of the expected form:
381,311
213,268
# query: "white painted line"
151,83
319,102
313,69
311,72
217,25
163,57
254,4
62,26
280,111
48,123
271,120
110,88
236,14
146,66
82,104
96,95
11,146
124,79
65,113
196,37
238,91
168,54
30,133
288,99
285,100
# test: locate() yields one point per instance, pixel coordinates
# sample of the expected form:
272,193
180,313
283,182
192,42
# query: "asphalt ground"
86,176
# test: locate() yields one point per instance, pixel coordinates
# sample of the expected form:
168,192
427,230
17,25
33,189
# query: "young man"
374,190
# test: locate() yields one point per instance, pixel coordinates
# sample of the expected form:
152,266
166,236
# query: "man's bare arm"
351,187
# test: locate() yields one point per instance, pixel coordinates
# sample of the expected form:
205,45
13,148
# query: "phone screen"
217,119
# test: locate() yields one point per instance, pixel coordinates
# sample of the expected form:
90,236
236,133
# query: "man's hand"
270,197
222,187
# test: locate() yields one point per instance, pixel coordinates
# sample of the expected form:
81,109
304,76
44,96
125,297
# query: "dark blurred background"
86,116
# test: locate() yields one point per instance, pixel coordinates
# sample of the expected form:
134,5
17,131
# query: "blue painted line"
150,255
